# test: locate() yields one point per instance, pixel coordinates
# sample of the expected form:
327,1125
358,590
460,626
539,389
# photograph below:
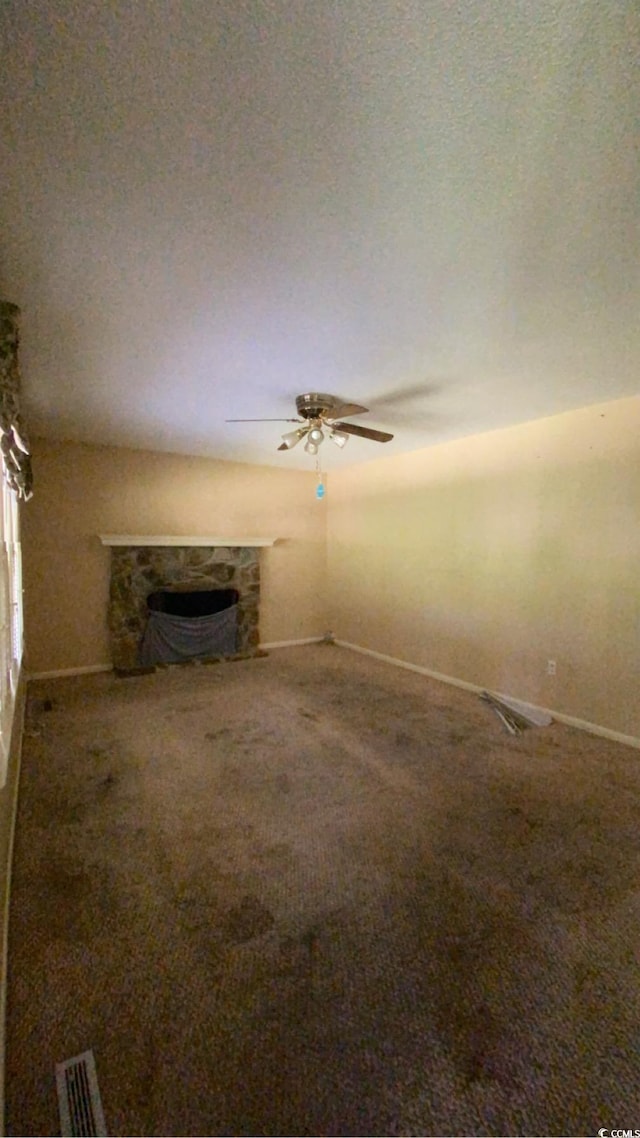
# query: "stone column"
14,443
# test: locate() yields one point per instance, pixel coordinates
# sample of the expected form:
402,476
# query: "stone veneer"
137,571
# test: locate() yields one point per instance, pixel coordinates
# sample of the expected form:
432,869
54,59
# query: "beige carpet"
314,894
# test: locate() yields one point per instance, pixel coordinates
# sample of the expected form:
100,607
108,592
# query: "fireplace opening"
202,602
185,624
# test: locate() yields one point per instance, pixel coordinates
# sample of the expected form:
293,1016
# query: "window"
11,635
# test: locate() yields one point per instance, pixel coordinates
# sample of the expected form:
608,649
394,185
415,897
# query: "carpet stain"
98,751
484,1057
76,898
221,733
457,737
247,920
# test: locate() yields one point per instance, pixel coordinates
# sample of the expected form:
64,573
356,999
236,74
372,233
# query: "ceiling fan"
319,413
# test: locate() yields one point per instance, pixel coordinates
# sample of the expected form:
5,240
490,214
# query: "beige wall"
483,558
81,491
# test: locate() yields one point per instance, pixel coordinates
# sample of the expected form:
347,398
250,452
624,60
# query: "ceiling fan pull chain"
320,491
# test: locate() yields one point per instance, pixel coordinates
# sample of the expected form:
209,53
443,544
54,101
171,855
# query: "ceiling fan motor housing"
315,405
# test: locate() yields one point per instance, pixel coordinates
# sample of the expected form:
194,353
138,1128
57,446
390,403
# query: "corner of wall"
8,809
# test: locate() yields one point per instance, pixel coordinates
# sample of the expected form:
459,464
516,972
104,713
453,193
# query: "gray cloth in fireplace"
172,639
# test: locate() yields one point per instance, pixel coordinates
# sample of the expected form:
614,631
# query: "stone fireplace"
144,567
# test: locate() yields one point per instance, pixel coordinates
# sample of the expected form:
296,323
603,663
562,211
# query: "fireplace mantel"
171,539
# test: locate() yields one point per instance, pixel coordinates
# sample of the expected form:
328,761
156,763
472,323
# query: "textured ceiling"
210,206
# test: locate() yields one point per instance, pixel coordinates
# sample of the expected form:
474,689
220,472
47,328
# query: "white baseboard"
569,720
87,670
594,728
292,643
90,669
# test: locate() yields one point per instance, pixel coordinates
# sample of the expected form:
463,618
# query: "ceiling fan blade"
263,420
415,392
363,432
345,409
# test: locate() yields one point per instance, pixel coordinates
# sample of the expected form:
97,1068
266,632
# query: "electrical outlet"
551,667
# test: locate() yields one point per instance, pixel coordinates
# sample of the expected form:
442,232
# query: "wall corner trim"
8,815
568,720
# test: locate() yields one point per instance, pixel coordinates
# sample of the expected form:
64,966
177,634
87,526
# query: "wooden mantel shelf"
171,539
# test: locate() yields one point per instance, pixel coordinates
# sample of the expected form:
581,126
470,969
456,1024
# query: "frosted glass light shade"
291,438
339,438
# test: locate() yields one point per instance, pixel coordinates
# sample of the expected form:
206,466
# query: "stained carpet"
313,894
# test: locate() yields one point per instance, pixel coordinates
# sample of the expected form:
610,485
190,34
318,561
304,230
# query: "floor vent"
79,1098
